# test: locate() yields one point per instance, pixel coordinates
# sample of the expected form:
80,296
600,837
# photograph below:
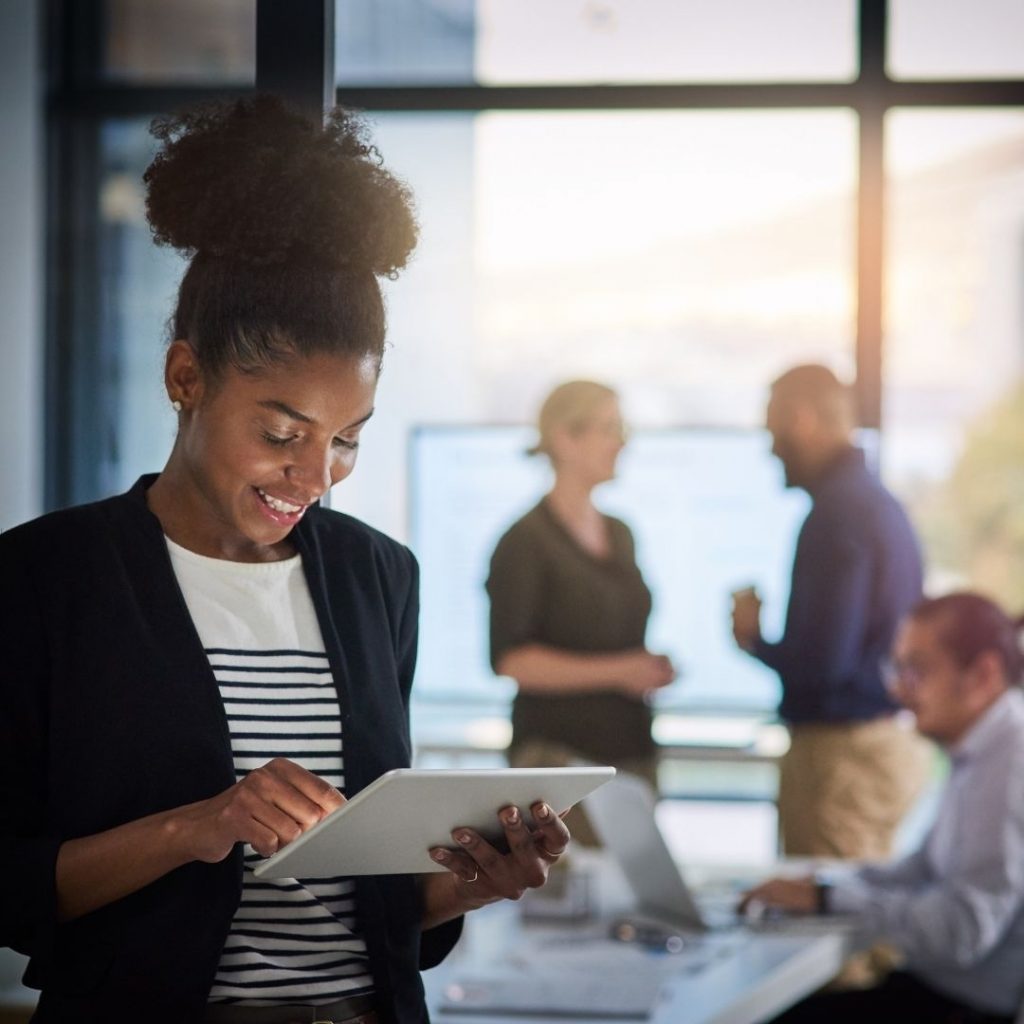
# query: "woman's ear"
182,376
561,443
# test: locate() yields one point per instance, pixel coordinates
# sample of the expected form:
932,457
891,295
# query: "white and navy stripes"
291,941
280,704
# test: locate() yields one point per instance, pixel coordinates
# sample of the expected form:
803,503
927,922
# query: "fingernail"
543,812
441,856
464,837
512,816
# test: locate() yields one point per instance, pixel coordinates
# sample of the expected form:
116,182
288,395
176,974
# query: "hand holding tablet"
391,826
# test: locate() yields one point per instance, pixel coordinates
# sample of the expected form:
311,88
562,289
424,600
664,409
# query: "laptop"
622,815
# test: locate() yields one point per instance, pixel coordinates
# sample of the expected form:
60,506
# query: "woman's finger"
308,783
486,856
552,836
300,786
459,864
517,835
263,840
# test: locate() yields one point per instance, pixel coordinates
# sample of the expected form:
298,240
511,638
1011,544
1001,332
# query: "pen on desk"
652,937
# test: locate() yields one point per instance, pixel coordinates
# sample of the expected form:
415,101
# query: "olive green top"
545,588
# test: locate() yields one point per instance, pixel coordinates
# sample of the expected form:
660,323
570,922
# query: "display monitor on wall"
708,510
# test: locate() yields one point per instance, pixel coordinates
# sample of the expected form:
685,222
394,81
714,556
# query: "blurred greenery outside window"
954,333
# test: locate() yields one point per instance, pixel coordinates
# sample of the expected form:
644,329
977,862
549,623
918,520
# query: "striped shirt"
291,940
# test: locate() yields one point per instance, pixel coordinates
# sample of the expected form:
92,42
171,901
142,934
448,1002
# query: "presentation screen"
709,513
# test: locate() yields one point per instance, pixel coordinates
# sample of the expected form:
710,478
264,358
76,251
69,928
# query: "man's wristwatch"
823,893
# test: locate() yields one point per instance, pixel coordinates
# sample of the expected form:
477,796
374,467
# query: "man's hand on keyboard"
793,895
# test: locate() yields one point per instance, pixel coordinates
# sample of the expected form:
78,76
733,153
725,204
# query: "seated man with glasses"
955,907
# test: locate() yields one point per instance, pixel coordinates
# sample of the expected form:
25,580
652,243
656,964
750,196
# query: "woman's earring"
176,405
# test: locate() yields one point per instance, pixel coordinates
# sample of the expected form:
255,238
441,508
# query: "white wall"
21,253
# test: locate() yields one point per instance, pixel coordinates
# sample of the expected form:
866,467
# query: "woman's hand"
480,874
746,618
269,808
643,672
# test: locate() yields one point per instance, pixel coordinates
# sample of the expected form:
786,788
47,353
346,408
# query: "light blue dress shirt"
956,906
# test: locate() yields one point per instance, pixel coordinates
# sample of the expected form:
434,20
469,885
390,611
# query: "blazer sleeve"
436,943
408,631
28,855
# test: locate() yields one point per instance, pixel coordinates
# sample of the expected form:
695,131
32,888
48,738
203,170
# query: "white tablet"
390,827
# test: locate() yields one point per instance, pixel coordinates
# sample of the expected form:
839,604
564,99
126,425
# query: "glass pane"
954,404
948,39
141,283
689,256
665,40
180,41
585,41
404,42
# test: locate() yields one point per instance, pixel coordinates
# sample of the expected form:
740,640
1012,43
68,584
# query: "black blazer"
109,711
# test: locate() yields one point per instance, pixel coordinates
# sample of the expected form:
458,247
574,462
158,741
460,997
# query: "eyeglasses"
901,675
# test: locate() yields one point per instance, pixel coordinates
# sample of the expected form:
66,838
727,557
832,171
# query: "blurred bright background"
686,252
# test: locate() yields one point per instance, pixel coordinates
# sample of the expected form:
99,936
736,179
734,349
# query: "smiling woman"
254,452
201,669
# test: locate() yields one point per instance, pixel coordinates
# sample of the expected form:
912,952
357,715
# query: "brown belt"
346,1011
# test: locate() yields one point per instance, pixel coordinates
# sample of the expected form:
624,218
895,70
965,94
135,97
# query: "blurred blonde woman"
569,606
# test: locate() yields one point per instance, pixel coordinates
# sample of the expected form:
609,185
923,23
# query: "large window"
679,198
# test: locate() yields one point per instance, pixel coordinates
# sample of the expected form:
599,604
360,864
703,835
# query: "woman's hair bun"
255,181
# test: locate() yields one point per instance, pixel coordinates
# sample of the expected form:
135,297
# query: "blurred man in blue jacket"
853,767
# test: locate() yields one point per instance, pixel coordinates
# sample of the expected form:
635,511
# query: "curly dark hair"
287,225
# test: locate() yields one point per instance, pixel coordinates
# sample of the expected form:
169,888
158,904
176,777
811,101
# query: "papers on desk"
585,976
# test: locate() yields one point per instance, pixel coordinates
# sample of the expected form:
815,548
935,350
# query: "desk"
765,971
16,1001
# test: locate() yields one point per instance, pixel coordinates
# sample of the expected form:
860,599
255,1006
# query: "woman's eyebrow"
272,403
361,421
294,414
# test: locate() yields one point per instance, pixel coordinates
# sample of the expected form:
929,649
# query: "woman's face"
255,450
590,452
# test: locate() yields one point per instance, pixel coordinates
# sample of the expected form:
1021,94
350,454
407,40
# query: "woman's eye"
343,442
274,439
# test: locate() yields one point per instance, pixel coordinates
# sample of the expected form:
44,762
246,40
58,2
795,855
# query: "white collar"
985,729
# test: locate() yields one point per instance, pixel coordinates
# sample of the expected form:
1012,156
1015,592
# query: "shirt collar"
981,735
849,460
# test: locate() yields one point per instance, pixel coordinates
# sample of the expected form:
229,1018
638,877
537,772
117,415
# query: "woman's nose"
312,472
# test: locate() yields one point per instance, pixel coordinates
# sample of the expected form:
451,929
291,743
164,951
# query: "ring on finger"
476,875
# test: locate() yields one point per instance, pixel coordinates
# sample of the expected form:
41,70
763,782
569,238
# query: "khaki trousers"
844,788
